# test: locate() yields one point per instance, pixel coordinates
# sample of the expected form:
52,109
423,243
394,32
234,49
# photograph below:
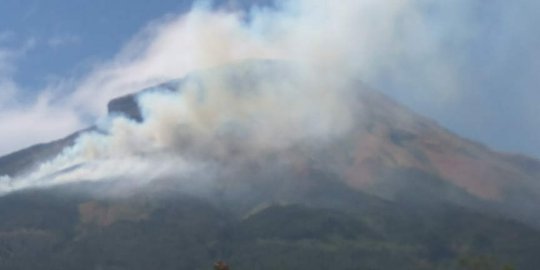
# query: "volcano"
392,189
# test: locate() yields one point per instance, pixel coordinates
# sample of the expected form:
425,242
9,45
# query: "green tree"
482,263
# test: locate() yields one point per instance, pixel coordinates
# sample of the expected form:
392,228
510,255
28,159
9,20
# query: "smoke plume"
233,106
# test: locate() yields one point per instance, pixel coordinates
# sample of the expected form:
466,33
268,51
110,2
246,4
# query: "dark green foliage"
482,263
40,230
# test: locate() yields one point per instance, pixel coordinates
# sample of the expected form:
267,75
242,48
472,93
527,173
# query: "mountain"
393,191
392,152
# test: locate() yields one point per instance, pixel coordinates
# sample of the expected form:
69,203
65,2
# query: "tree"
482,263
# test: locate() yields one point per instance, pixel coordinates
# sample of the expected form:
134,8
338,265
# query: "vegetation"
482,263
41,230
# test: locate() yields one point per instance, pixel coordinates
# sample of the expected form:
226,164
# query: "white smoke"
348,38
236,112
327,45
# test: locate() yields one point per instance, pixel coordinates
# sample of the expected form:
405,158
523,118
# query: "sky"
471,65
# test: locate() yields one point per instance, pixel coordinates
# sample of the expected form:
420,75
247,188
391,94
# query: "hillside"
41,229
391,190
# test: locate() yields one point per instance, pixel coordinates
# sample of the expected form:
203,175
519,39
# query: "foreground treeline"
39,230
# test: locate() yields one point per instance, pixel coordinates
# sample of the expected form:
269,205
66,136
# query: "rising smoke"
227,112
231,106
223,115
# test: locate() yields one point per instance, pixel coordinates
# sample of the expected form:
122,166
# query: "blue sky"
472,65
65,37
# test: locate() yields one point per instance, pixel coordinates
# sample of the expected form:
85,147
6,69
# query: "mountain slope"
397,139
393,190
44,230
28,159
391,151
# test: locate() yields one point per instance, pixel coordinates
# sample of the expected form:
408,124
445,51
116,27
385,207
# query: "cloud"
26,121
24,124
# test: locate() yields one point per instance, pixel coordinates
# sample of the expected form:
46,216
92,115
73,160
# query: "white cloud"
24,123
